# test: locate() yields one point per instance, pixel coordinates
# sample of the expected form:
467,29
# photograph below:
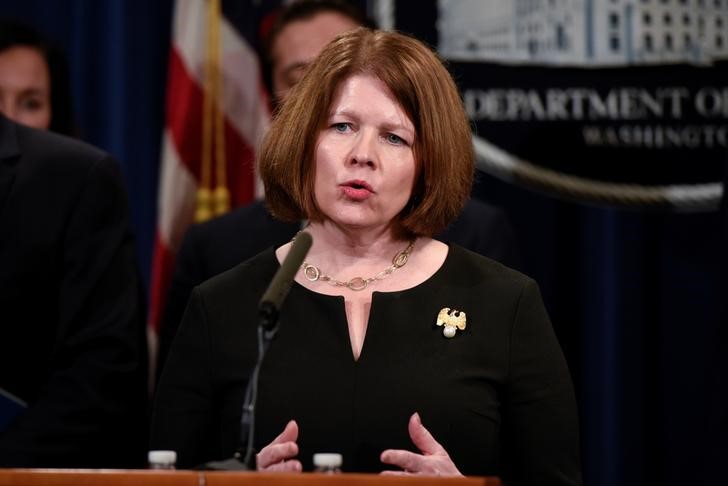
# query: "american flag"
216,113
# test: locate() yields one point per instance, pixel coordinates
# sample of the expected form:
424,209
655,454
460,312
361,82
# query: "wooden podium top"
108,477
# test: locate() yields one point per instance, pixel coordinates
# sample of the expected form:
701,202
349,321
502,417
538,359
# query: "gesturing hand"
277,456
434,460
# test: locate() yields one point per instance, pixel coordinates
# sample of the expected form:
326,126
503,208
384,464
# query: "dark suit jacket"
215,246
72,342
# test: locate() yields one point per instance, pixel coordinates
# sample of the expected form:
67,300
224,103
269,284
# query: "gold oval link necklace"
313,273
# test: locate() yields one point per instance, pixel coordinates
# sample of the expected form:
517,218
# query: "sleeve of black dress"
92,410
187,274
182,417
540,422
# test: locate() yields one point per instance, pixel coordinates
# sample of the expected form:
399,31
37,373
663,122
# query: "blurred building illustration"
584,32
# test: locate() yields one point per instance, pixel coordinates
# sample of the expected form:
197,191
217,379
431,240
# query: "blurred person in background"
34,86
73,358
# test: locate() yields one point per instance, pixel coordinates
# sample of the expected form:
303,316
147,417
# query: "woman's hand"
434,460
278,455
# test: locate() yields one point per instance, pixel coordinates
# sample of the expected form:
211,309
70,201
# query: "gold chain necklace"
313,273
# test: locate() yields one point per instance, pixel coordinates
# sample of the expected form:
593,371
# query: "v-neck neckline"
376,302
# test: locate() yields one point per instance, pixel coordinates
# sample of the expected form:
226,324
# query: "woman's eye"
30,104
341,127
395,139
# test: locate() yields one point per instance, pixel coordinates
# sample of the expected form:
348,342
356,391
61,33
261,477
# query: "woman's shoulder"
478,279
249,275
467,280
466,265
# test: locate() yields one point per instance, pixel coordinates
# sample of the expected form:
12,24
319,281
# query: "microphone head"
270,303
299,249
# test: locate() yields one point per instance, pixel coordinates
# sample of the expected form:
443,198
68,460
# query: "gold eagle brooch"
452,320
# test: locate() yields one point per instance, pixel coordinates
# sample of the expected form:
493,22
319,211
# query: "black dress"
218,245
497,395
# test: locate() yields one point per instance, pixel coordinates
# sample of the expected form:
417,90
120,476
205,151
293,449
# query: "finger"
395,473
289,434
405,460
422,438
285,466
281,448
281,452
275,453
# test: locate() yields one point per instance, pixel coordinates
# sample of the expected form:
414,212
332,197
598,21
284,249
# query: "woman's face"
25,87
365,164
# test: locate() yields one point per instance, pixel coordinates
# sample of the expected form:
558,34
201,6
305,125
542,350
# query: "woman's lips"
357,190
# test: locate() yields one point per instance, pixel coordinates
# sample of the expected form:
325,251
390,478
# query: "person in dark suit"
72,336
300,31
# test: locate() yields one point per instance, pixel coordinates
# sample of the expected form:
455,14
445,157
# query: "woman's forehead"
367,95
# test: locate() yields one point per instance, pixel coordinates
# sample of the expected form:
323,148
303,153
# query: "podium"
104,477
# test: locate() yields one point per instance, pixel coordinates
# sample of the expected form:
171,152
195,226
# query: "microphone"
270,303
268,311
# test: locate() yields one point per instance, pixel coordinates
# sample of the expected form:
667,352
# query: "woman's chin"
353,223
359,216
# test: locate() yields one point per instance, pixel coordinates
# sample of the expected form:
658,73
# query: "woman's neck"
342,248
339,262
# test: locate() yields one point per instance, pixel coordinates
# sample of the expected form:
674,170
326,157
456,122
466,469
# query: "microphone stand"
243,459
268,310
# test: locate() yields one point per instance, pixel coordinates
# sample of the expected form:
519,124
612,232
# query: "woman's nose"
364,150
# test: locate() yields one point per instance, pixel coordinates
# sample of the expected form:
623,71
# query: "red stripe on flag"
184,120
162,268
184,113
184,123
